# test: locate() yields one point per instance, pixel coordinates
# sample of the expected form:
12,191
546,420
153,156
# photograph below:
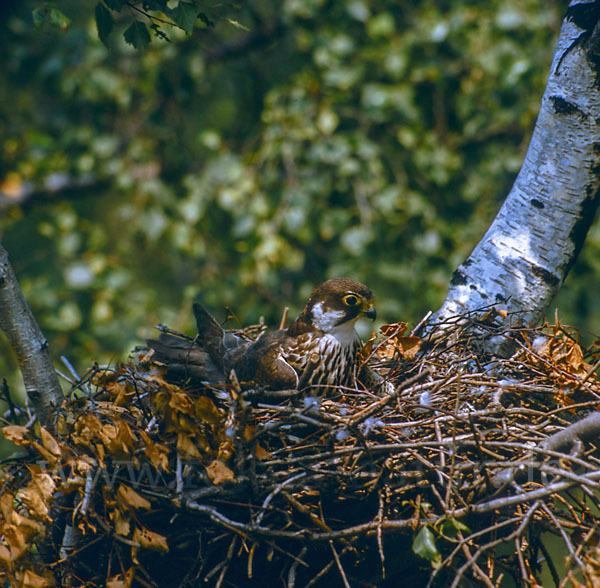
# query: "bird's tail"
184,361
210,333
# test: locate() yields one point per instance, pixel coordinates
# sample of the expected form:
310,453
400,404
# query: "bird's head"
337,302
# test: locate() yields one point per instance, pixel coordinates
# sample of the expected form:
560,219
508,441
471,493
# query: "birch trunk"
29,344
524,257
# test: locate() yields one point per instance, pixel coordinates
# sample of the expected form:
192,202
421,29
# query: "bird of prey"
317,353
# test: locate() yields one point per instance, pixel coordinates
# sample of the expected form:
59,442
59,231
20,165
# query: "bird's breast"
323,361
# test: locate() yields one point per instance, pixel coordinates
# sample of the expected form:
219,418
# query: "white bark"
524,257
29,344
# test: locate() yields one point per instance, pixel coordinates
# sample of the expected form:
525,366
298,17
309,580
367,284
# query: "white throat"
326,320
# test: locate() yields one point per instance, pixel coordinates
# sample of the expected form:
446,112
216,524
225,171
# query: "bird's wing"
263,363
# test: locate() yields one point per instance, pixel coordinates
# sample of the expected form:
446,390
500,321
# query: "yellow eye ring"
351,300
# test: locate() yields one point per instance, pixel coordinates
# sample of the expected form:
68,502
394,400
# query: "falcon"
318,353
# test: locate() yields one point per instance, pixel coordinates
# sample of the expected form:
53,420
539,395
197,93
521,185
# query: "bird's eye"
350,300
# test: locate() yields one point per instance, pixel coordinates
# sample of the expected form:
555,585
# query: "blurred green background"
244,164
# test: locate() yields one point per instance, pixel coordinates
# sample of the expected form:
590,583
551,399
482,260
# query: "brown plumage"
317,353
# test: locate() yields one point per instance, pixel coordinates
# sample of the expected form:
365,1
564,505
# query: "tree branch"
29,344
524,257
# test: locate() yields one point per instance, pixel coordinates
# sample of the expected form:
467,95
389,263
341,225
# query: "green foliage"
158,15
137,35
424,546
47,17
243,164
104,22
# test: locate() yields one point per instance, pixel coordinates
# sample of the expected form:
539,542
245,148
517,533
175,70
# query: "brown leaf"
50,443
131,498
36,495
118,391
150,540
262,453
158,454
393,329
122,522
16,434
7,501
206,411
186,445
408,346
218,472
181,402
367,348
32,580
47,455
4,554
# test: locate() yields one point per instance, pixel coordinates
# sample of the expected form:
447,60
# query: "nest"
475,469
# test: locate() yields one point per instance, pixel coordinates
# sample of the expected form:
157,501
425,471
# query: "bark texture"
524,257
31,348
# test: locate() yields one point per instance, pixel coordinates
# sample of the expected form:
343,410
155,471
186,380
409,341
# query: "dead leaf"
262,453
206,411
50,443
4,554
36,495
186,445
119,392
367,348
158,454
16,434
150,540
32,580
408,346
131,498
218,472
122,522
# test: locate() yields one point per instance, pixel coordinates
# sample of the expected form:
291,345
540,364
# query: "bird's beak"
368,310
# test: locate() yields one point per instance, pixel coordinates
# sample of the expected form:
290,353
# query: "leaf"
16,434
39,17
131,498
150,540
48,16
59,20
49,442
32,580
37,494
185,15
206,411
104,22
424,546
218,472
451,527
186,445
137,35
